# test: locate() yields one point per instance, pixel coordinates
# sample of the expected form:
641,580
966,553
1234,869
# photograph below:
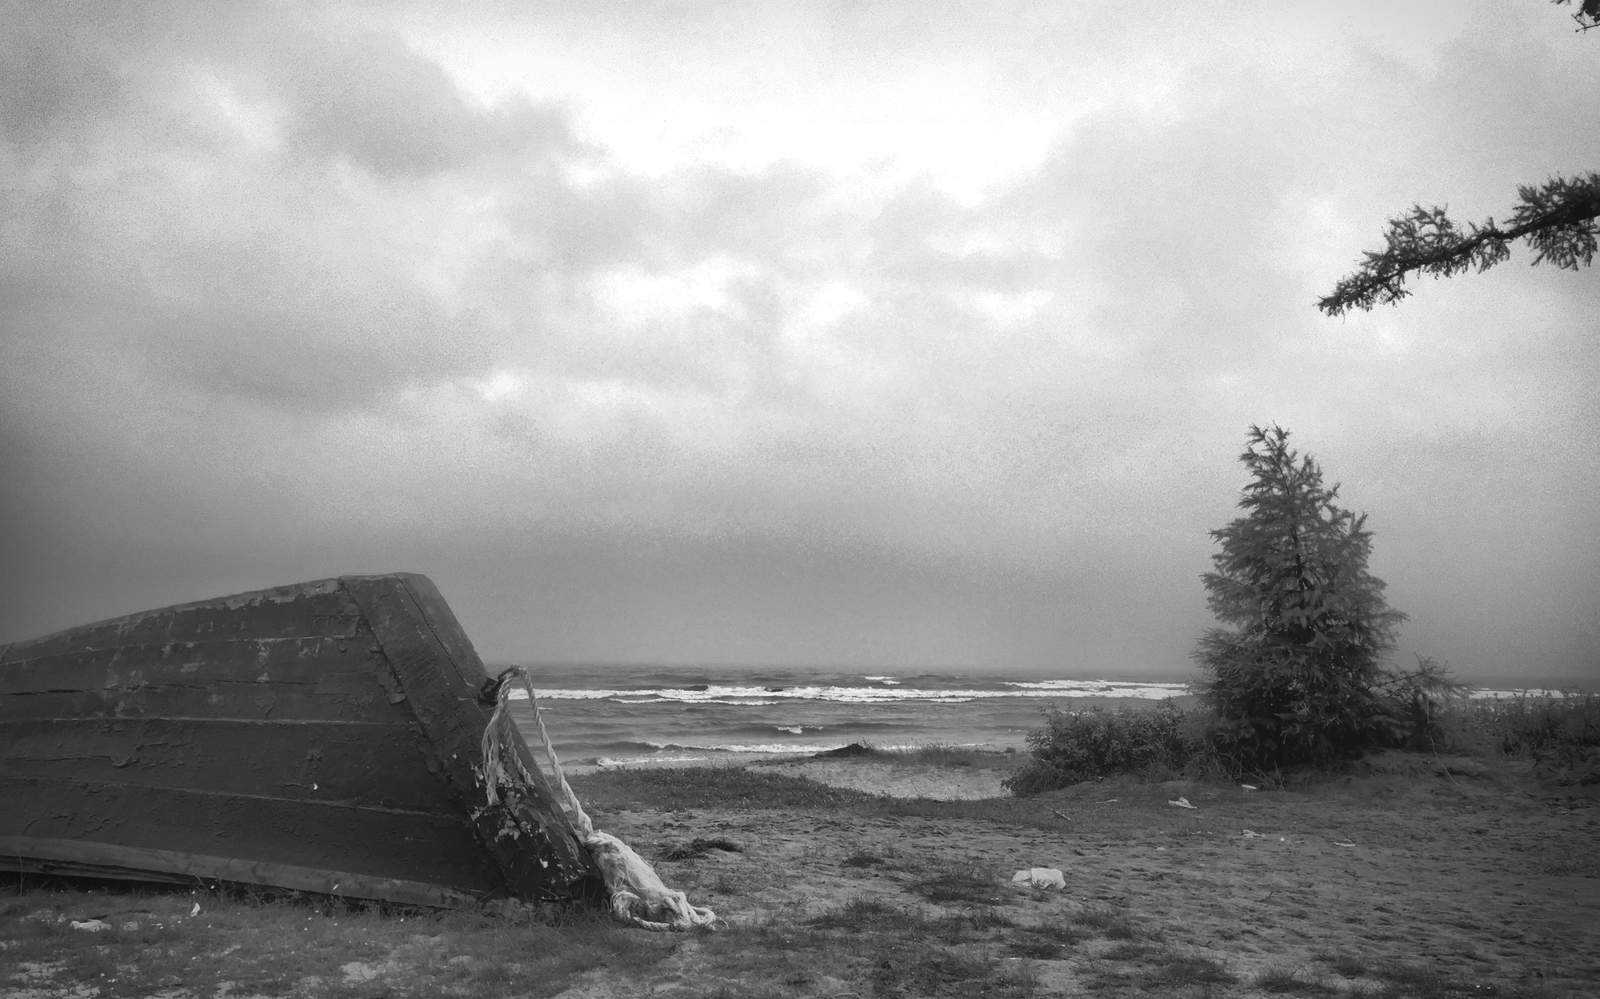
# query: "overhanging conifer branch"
1587,15
1557,219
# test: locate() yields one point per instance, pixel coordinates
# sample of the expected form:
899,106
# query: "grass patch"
1045,943
700,847
1416,982
861,912
970,925
1175,969
1146,968
1348,965
914,969
1127,950
1283,980
1110,923
963,885
275,945
883,948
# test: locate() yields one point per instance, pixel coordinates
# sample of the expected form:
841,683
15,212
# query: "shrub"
1534,726
1294,679
1422,709
1083,745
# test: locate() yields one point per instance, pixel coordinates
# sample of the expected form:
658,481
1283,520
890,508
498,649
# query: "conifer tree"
1293,679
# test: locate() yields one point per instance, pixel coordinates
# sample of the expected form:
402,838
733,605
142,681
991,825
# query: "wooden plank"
243,702
414,846
367,764
303,660
416,633
319,608
36,855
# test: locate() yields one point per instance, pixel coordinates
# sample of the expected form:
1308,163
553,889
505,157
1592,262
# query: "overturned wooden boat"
323,737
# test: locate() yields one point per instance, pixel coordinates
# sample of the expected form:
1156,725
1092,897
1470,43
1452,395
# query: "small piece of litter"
91,925
1252,834
1161,849
195,911
1343,843
1059,815
1249,787
1181,803
1040,877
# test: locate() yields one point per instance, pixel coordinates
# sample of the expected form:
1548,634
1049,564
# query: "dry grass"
247,943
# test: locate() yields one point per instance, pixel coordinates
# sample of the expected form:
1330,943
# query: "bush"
1296,679
1422,709
1535,727
1083,745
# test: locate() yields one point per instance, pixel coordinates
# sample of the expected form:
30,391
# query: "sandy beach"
1405,876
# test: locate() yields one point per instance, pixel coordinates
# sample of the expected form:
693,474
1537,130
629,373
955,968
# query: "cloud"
304,288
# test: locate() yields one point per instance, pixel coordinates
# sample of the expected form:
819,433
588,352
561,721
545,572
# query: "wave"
765,696
1101,688
653,697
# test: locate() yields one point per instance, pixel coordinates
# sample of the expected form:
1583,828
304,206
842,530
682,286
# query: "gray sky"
885,334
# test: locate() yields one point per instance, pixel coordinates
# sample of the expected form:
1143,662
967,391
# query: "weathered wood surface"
331,727
87,858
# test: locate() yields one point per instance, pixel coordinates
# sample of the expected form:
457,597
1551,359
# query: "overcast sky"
893,335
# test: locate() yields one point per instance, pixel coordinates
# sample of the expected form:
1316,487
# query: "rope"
637,892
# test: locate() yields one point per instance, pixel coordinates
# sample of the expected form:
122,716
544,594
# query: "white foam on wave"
1101,688
653,697
752,696
611,761
763,697
663,753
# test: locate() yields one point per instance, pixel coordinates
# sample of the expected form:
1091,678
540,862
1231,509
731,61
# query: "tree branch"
1587,15
1557,220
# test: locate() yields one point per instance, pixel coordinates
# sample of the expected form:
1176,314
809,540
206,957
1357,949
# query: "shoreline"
913,772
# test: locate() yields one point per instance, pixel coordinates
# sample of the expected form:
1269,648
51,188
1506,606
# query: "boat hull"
322,737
